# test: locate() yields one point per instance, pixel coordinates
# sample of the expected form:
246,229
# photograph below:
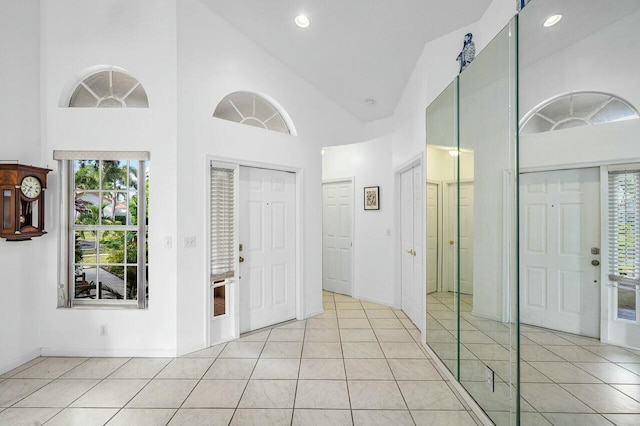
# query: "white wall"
20,124
140,37
213,61
369,163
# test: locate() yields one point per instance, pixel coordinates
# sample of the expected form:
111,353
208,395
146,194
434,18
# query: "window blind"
222,224
624,227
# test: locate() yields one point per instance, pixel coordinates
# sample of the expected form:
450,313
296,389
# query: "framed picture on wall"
372,198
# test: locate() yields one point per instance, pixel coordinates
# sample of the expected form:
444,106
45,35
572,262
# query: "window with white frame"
106,228
624,241
253,110
577,109
111,88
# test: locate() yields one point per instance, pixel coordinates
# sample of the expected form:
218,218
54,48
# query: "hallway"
357,364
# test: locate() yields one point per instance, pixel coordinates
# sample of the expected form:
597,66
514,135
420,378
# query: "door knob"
240,247
241,259
595,262
410,251
451,242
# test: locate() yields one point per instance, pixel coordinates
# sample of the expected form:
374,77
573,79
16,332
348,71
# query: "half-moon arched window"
577,109
253,110
109,89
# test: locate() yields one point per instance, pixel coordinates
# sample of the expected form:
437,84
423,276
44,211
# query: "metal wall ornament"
468,53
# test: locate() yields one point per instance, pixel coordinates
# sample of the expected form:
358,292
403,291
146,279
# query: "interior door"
466,237
433,241
337,237
465,204
411,243
267,236
560,220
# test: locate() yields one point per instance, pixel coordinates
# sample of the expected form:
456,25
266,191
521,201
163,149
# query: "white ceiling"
354,49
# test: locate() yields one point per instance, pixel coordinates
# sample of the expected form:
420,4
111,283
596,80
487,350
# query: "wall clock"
22,190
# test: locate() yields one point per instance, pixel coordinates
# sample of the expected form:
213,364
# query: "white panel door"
466,237
267,235
465,254
432,237
411,243
559,225
337,237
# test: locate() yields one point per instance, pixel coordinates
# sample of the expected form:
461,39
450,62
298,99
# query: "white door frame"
236,164
352,181
417,160
440,228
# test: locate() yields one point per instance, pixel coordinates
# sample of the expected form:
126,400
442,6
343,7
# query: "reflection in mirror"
486,232
442,158
579,212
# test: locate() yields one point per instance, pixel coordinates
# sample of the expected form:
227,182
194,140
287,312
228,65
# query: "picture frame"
372,198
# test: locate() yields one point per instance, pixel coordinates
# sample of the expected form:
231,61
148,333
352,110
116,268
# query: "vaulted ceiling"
354,50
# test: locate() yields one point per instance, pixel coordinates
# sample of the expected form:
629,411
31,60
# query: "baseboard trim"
20,360
106,352
369,299
314,314
459,389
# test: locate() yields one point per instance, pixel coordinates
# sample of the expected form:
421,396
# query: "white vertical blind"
222,223
624,226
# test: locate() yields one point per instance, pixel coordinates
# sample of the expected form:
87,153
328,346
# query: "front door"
337,237
267,237
411,243
559,227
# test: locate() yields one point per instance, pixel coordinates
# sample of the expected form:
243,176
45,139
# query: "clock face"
30,187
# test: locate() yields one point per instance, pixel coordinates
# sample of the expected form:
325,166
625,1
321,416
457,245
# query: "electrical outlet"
104,330
489,377
189,242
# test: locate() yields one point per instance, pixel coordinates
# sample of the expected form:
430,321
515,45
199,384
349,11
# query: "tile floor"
358,363
565,379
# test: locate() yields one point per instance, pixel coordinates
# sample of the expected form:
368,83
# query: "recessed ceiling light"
552,20
302,21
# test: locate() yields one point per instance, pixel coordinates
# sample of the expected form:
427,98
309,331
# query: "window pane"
122,84
111,282
82,98
86,174
112,246
614,111
133,208
137,98
132,283
99,83
85,247
85,282
133,175
132,247
627,303
114,175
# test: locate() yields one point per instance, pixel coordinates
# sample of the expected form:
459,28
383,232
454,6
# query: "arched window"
253,110
110,88
576,110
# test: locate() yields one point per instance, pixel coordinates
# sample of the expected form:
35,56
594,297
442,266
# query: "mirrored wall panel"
580,212
441,225
486,237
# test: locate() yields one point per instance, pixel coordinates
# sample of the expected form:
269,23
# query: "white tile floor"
358,363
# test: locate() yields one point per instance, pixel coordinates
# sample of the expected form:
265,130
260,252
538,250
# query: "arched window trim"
80,77
535,111
279,110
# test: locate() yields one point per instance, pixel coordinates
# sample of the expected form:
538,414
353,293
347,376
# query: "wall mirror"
579,212
486,234
442,170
